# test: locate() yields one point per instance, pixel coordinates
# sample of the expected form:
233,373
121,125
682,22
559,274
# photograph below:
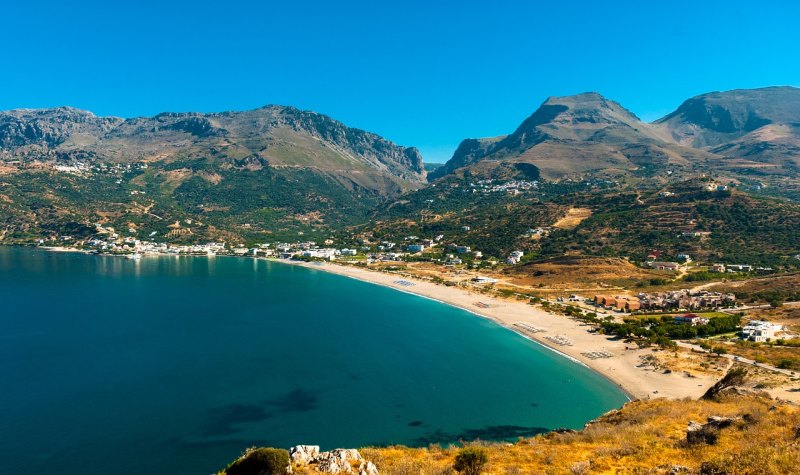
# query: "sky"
420,73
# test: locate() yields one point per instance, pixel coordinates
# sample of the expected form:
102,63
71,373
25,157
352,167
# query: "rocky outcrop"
708,433
335,461
304,454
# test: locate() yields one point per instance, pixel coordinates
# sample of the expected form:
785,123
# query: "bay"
177,364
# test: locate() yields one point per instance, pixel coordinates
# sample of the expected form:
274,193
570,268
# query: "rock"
340,461
721,422
694,434
708,433
304,454
334,461
367,468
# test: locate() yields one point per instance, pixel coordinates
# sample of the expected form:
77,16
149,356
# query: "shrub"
787,363
263,461
470,461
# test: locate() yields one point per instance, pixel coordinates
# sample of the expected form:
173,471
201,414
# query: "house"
670,266
477,254
415,247
684,258
348,252
463,249
760,331
690,319
484,280
465,228
718,268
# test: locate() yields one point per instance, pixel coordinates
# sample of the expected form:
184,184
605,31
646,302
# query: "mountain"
273,136
270,170
572,136
760,126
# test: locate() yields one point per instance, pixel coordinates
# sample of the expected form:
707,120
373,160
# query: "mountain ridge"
63,132
739,132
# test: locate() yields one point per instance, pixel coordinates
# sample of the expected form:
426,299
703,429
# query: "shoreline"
621,369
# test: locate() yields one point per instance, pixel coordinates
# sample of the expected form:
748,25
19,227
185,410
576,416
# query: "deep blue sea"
176,364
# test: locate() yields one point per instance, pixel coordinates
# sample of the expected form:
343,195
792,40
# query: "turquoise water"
176,364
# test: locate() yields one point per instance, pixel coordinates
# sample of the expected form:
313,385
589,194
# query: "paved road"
738,359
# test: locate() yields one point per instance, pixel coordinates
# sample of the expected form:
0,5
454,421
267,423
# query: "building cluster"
671,300
722,268
132,245
760,331
83,168
512,187
620,303
684,299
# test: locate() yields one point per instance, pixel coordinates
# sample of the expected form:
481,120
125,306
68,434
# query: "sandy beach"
622,367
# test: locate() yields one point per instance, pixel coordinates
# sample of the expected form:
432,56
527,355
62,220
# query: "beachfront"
613,359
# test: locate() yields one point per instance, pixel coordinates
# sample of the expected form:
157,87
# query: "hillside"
753,435
732,226
266,170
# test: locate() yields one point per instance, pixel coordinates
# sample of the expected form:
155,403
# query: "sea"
177,364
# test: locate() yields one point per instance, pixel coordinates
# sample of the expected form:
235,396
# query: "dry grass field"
645,437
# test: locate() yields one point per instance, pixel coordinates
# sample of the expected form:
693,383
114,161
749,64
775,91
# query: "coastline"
621,368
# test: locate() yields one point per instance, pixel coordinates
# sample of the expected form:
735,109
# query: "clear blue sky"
417,73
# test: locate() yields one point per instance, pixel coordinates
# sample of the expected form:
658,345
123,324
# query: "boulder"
694,434
708,433
367,468
304,454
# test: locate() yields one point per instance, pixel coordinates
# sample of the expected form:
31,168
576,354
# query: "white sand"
621,368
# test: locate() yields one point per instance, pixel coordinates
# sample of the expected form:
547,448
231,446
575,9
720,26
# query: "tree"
470,461
263,461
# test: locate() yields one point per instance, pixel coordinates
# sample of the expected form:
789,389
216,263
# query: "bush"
470,461
263,461
787,363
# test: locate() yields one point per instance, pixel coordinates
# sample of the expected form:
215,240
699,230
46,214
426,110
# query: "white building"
760,331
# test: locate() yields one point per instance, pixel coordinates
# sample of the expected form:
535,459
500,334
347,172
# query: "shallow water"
176,364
